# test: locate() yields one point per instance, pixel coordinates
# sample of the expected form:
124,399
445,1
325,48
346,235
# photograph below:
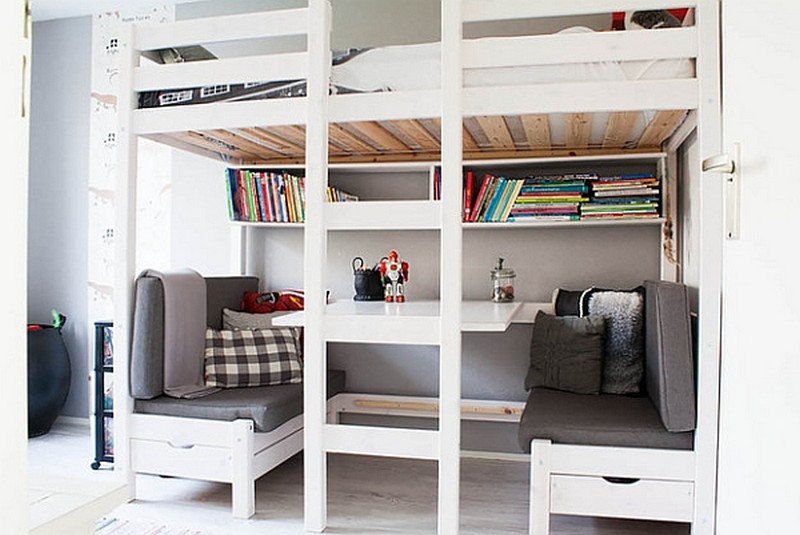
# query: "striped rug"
117,526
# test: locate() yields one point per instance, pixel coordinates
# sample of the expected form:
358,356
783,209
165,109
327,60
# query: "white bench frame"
212,450
571,480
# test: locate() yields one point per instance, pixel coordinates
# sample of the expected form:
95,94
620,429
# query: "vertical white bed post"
124,251
315,462
451,272
709,137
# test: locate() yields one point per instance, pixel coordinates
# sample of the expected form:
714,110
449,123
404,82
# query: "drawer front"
182,460
646,499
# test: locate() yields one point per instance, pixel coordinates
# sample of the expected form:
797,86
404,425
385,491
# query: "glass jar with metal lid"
502,283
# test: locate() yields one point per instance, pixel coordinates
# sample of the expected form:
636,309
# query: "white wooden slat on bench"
485,10
582,96
220,29
227,115
558,49
382,441
274,67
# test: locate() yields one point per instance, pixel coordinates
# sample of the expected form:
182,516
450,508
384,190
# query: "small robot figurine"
394,274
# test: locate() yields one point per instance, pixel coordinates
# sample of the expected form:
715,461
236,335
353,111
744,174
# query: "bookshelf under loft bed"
575,96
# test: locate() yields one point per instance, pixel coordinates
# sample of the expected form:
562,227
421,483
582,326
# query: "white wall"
59,145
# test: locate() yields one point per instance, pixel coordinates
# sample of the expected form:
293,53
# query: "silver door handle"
729,165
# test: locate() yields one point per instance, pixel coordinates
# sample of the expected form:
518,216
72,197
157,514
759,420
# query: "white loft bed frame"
230,131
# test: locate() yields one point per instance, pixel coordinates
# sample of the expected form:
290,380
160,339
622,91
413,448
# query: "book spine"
230,187
479,199
468,186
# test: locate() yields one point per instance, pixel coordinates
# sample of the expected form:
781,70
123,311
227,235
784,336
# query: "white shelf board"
373,215
643,222
267,224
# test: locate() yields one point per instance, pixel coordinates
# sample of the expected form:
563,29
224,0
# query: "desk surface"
58,505
476,316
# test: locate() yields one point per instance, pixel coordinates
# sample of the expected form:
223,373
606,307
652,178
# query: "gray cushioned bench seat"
664,418
267,406
604,420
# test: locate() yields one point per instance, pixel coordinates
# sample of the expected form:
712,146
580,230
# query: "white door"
13,288
759,459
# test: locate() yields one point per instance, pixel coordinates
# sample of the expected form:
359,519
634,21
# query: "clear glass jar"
502,283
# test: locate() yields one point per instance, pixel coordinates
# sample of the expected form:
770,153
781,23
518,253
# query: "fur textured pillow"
623,355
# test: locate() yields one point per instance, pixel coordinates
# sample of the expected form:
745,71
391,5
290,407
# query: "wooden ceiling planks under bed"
485,137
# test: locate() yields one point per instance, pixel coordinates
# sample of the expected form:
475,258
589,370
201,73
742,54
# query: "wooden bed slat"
619,127
176,142
274,142
382,138
537,129
662,125
213,144
342,137
476,132
434,128
418,133
257,149
496,131
577,130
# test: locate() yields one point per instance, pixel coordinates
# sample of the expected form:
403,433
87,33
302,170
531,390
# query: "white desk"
66,506
476,316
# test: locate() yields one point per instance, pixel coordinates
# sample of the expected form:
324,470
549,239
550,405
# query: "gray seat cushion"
267,406
604,420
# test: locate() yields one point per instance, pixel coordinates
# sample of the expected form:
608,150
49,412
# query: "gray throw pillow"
623,357
567,353
234,320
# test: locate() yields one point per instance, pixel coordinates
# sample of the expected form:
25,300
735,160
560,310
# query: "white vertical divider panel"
451,273
315,460
709,138
668,169
124,251
238,255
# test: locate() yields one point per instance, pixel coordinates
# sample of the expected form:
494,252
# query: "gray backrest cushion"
226,292
147,345
669,363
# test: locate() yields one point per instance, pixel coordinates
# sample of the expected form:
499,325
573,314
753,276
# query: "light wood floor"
366,496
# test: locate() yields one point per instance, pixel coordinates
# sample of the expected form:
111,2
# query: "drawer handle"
621,480
179,446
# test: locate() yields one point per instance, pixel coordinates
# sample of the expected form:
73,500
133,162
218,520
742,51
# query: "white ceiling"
59,9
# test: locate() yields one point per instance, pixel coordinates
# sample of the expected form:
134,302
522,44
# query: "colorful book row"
264,196
559,197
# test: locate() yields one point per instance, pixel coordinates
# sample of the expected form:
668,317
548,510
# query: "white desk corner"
59,505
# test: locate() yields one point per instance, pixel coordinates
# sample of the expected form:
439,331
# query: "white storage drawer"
197,461
645,498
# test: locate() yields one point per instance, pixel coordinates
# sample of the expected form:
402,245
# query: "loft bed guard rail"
576,91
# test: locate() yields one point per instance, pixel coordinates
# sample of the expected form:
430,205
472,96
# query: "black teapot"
367,281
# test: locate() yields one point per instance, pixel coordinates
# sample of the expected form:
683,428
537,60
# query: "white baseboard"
79,421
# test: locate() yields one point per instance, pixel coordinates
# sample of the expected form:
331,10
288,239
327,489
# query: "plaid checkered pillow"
258,357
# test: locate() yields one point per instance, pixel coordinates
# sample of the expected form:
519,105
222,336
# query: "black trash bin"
49,375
